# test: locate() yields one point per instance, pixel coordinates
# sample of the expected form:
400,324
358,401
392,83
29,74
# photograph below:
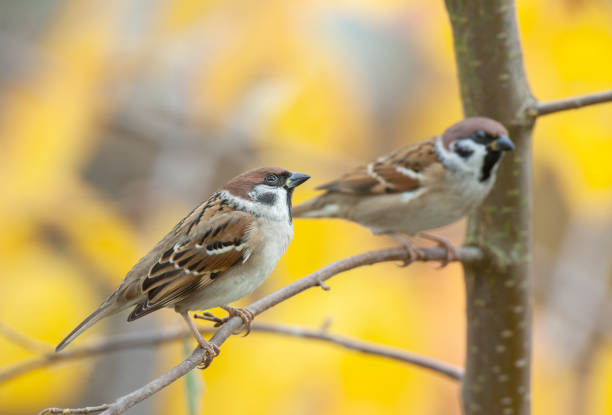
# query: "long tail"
104,310
318,207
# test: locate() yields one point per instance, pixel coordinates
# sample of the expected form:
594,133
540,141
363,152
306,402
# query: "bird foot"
211,351
451,251
413,252
245,315
207,315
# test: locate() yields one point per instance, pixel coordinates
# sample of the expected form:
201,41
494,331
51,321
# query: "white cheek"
278,210
476,161
466,167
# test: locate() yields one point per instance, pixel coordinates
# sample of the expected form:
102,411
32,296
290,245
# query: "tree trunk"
498,290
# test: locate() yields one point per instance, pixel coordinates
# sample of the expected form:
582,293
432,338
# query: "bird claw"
211,351
451,254
413,255
451,251
245,315
210,317
412,251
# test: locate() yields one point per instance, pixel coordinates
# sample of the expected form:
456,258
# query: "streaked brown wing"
399,171
355,182
211,246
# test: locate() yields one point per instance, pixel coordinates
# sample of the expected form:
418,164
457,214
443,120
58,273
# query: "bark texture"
498,290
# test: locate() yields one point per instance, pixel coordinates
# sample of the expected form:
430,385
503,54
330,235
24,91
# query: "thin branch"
23,341
425,362
95,348
550,107
140,340
465,254
86,410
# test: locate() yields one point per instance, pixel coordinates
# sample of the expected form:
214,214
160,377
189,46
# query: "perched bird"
220,252
422,186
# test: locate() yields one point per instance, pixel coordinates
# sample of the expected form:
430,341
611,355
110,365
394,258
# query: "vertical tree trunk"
493,84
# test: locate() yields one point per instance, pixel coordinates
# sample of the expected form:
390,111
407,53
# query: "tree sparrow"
422,186
220,252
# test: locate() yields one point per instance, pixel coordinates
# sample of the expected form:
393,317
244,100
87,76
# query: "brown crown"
467,127
242,184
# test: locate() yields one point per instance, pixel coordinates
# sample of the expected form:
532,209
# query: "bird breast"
427,207
270,242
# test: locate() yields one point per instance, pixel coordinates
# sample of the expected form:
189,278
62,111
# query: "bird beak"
296,179
502,143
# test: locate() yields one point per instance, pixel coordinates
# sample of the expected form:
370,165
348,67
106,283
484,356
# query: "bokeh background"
117,117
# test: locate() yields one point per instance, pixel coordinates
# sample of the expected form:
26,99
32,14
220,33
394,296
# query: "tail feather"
104,310
318,207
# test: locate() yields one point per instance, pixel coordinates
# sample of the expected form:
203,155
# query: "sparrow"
422,186
220,252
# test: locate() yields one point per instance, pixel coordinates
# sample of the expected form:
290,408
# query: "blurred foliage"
117,117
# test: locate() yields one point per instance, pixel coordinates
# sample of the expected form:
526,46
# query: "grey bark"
499,294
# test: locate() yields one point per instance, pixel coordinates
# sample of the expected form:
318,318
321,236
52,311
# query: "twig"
24,341
140,340
95,348
86,410
550,107
445,369
465,254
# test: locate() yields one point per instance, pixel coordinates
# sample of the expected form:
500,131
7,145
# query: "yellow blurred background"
117,117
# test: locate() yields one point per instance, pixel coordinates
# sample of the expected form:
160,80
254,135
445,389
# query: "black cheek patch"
267,198
464,152
289,195
490,161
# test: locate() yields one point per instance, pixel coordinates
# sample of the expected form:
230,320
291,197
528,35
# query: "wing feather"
399,171
207,243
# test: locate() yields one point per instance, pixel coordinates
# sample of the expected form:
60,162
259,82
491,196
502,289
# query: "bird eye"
272,179
480,134
463,151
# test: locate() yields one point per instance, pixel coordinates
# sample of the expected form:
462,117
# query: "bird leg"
451,251
244,313
211,349
413,252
